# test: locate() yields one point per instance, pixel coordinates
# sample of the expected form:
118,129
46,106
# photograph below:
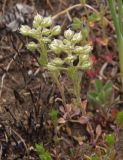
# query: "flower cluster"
42,31
71,46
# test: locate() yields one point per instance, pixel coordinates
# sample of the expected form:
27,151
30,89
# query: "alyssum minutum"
70,45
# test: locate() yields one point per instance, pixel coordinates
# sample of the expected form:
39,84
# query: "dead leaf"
98,130
79,139
61,120
68,107
68,130
81,120
76,113
84,105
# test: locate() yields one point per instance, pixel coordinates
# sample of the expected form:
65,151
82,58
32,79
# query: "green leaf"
94,157
94,17
108,86
54,115
76,23
102,97
92,96
98,85
119,118
110,140
85,32
43,154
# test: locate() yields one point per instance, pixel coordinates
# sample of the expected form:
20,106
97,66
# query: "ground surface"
27,95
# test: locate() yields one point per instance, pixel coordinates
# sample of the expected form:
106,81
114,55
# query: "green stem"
43,54
61,90
120,14
114,17
119,28
120,49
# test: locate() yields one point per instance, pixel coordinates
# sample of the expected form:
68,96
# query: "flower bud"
70,59
37,21
32,46
25,30
77,38
56,46
51,67
57,62
56,30
86,65
87,49
83,50
68,34
78,50
34,33
84,57
47,22
46,40
46,32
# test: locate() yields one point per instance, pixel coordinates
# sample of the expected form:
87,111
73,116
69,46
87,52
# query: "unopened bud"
68,34
46,40
57,62
51,67
46,32
25,30
56,30
78,50
87,65
37,21
70,59
77,37
56,46
32,46
47,22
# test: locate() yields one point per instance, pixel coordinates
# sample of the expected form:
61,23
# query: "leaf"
110,140
76,23
94,157
61,120
119,118
54,115
94,17
107,86
92,96
43,154
98,85
85,32
79,139
98,130
83,120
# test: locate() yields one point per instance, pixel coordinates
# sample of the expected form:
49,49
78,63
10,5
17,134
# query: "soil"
28,94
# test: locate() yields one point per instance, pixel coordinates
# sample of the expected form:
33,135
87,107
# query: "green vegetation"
118,23
42,153
101,95
70,45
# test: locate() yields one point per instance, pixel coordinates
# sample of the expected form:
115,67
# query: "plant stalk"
119,30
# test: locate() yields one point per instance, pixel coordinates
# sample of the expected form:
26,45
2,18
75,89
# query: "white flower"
32,46
56,30
56,46
46,32
68,34
47,22
37,21
77,38
25,30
